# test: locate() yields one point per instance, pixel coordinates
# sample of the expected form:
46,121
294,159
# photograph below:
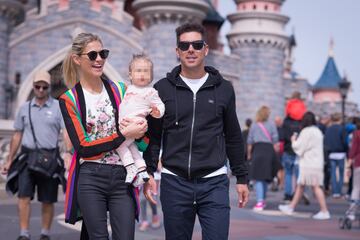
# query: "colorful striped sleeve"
86,148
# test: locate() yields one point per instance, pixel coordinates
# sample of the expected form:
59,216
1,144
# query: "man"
335,145
294,110
47,123
198,132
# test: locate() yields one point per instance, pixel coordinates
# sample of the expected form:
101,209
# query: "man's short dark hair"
190,27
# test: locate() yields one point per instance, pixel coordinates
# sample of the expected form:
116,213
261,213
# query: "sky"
314,23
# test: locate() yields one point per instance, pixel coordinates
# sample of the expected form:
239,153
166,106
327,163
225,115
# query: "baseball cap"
42,75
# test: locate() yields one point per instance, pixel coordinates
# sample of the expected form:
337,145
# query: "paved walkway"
245,223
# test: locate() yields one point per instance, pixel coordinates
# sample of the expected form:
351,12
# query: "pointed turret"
326,89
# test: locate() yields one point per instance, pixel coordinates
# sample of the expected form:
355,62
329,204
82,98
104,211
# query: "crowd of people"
300,151
190,116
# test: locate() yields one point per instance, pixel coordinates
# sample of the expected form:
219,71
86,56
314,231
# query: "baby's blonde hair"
142,56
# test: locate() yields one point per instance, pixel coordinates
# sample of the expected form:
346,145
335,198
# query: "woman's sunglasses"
92,55
197,45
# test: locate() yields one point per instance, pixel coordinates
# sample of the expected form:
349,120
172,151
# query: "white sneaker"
286,209
321,215
351,216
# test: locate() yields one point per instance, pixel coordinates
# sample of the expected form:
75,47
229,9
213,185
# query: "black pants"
183,199
327,174
102,188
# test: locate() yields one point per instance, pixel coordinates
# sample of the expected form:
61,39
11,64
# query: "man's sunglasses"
197,45
92,55
43,87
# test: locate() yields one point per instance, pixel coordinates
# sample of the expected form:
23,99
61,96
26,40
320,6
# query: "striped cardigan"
73,108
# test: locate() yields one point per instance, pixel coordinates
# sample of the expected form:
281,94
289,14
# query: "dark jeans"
327,174
183,199
102,188
288,162
337,182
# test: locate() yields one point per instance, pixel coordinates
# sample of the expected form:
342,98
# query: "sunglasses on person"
38,87
92,55
197,45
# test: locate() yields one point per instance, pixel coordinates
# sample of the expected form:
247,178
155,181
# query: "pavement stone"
245,224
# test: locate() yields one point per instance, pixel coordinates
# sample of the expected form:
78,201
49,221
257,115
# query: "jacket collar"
214,77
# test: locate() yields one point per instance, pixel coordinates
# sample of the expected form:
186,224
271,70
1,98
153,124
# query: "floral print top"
100,122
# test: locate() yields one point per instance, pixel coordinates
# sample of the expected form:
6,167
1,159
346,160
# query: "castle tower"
11,14
160,19
258,37
326,89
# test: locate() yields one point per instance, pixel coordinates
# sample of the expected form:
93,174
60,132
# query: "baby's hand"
155,112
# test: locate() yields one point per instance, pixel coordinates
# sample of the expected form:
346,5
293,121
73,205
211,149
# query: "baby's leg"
142,176
128,160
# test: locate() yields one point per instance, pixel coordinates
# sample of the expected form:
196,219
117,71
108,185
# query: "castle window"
266,7
254,6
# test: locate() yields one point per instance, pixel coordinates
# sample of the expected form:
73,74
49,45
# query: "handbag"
40,160
275,163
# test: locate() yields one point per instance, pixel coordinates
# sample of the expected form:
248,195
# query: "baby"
140,100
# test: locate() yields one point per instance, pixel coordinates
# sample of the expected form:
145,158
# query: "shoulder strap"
32,127
265,131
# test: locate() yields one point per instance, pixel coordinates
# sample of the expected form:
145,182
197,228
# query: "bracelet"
69,151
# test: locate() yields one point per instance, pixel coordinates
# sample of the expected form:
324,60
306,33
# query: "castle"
36,34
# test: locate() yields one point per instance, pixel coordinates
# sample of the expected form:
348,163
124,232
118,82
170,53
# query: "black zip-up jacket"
199,132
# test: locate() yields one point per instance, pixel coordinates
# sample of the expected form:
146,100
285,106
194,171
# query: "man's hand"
243,192
150,190
5,168
155,112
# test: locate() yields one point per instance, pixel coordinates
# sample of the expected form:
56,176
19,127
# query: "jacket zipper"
191,135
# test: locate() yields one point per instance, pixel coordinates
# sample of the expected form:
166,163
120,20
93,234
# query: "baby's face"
140,74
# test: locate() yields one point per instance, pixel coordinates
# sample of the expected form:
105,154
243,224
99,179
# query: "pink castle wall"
326,96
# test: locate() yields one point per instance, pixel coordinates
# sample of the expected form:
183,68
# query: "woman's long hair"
308,120
262,115
68,67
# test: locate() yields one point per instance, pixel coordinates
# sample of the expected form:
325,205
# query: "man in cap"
47,124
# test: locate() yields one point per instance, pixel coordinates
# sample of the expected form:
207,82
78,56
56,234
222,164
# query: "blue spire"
330,77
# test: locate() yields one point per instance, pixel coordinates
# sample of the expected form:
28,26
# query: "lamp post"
344,86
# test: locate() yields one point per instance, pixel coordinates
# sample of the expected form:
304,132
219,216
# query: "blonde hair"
263,114
69,68
142,56
336,117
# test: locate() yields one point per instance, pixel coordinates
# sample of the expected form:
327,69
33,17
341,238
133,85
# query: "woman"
262,137
309,147
96,181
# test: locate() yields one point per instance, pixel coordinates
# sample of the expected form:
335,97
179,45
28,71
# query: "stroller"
351,215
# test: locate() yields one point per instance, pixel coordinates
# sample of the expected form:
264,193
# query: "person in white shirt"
309,147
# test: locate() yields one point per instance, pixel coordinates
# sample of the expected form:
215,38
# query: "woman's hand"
294,137
133,129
